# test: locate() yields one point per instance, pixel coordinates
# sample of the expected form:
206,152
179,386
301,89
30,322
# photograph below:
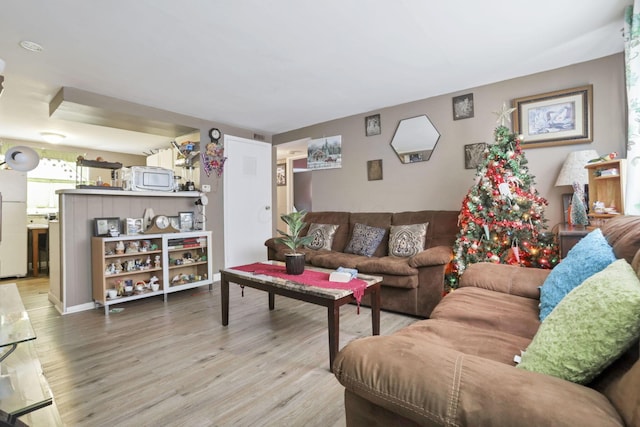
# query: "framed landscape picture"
555,118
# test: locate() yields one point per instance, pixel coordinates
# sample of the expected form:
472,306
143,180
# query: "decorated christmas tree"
502,216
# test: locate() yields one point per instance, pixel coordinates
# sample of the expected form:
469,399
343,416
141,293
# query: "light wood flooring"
174,364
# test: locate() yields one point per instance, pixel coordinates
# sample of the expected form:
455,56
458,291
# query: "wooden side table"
569,235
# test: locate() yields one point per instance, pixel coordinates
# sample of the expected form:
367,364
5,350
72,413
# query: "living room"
175,364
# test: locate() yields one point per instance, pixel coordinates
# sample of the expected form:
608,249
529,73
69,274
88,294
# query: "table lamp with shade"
573,173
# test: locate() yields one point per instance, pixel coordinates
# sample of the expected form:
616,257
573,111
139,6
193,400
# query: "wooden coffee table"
330,298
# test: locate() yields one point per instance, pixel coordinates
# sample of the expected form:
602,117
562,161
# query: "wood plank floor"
174,364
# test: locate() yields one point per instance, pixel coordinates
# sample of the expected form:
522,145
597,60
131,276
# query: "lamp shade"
21,158
573,168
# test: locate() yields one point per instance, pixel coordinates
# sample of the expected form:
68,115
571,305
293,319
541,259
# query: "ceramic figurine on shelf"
120,247
156,261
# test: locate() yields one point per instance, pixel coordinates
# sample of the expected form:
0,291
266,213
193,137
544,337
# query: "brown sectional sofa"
457,368
411,285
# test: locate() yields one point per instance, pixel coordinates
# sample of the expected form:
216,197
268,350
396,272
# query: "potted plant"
294,260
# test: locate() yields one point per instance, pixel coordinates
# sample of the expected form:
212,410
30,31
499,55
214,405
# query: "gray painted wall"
442,182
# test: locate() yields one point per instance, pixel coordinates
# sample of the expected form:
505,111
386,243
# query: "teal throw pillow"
589,256
590,328
365,240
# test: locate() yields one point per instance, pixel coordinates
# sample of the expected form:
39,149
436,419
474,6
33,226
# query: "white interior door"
247,200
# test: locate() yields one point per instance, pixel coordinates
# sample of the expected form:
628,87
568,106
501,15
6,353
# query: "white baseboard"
80,307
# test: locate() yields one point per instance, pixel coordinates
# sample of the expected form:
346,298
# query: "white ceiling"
273,66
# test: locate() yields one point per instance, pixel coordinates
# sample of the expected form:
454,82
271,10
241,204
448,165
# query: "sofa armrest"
437,255
509,279
435,386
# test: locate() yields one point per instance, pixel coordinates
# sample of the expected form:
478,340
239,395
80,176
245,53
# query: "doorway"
296,194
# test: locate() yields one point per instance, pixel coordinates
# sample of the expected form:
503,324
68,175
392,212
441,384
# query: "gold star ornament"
504,114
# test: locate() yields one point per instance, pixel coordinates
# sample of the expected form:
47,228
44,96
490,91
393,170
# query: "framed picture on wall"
463,106
281,174
374,170
474,154
372,125
555,118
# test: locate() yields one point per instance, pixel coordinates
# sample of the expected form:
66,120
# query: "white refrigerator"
13,223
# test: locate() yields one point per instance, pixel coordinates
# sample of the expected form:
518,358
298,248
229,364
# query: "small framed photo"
474,154
463,106
133,226
555,118
102,226
372,125
175,222
374,170
281,174
186,221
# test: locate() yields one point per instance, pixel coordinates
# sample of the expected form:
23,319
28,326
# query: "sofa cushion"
388,265
591,327
336,259
322,236
407,240
494,311
365,240
486,343
589,256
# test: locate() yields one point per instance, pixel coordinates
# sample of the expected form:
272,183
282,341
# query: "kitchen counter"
129,193
70,244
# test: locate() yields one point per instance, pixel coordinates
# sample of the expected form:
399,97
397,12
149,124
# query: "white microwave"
147,178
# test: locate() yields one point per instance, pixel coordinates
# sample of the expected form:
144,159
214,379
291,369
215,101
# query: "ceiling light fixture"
31,46
52,138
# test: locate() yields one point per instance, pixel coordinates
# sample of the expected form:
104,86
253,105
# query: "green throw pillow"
590,328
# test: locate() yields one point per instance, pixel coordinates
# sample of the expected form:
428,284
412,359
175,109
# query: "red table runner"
308,277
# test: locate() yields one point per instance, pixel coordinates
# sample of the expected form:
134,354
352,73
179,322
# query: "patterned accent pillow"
322,236
365,240
407,240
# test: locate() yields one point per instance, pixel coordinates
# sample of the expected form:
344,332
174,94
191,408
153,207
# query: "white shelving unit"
184,263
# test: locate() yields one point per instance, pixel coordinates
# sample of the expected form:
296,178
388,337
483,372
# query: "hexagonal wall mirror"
415,139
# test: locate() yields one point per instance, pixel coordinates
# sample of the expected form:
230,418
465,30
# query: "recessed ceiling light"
32,46
52,138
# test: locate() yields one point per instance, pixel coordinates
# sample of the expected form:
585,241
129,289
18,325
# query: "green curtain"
632,67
